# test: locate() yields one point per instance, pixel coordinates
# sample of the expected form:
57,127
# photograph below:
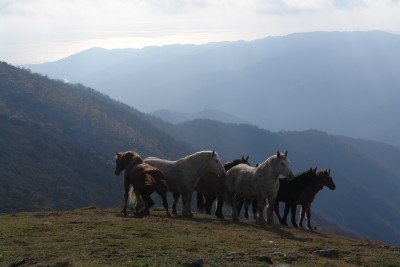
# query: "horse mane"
135,156
199,153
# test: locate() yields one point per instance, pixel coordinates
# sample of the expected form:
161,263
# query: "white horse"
260,183
183,174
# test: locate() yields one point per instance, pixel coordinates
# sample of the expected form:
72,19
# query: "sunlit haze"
36,31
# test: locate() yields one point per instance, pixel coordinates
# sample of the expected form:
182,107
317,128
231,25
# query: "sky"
37,31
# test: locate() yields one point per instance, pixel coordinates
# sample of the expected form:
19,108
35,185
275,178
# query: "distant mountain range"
178,117
338,82
58,143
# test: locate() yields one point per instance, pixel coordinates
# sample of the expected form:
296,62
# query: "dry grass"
97,237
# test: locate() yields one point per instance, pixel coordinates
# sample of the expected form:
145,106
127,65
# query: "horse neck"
132,163
229,165
267,168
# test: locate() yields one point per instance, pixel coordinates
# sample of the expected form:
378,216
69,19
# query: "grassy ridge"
100,237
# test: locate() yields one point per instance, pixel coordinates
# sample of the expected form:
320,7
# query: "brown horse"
144,178
211,187
290,191
323,178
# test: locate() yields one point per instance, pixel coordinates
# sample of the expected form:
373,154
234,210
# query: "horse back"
240,179
291,190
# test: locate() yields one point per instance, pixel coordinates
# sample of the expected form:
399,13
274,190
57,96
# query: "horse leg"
139,200
270,210
254,207
246,209
209,202
186,204
276,209
220,203
126,195
163,195
235,202
176,196
200,202
260,206
293,210
308,213
148,203
240,202
302,214
285,214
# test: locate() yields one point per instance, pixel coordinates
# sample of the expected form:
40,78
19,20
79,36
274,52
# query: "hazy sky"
35,31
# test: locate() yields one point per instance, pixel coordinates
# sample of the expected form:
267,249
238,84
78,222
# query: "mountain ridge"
338,82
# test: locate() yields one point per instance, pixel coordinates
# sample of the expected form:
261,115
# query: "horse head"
215,164
282,165
123,159
326,178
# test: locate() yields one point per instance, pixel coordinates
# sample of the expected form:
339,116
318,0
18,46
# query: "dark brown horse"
323,178
289,192
302,191
144,178
211,187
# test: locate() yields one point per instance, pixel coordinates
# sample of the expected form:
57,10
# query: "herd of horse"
235,183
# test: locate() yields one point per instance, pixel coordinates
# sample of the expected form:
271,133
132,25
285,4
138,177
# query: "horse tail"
132,196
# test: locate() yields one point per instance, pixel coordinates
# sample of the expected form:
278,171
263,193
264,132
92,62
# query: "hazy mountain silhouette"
339,82
58,143
177,117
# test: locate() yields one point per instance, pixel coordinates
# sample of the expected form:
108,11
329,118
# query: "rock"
197,263
263,258
234,255
327,253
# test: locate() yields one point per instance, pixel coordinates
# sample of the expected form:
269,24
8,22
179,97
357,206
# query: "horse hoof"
187,214
220,216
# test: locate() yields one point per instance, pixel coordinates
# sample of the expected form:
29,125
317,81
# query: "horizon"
199,44
36,31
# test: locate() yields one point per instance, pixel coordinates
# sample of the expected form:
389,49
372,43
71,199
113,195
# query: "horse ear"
213,152
329,170
286,153
278,155
247,158
315,169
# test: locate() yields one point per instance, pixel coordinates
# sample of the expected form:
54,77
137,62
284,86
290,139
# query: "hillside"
336,82
366,173
58,142
71,238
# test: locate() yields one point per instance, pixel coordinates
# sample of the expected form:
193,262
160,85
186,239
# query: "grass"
103,237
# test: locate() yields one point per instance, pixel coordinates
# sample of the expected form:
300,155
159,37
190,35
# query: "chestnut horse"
144,178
